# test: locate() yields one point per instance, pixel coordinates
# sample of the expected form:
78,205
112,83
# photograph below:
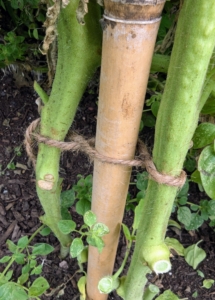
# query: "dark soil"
20,208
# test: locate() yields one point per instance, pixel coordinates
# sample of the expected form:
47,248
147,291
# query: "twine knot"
78,143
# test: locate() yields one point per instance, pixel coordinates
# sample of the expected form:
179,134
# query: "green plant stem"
20,251
176,123
149,294
79,49
44,97
119,271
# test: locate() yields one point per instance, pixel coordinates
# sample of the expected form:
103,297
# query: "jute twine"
78,143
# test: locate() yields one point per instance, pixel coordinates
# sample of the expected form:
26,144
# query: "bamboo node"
132,22
78,143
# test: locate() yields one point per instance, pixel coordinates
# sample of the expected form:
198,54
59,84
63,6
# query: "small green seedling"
208,283
27,256
92,230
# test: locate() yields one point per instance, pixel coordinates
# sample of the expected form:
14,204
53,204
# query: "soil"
20,208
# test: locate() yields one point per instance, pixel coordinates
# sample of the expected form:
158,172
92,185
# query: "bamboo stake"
129,34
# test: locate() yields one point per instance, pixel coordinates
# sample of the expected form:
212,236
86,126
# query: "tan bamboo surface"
128,45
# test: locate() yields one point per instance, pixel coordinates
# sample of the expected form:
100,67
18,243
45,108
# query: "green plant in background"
91,229
26,256
23,33
81,192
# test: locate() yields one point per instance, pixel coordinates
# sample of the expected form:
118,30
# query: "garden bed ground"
20,208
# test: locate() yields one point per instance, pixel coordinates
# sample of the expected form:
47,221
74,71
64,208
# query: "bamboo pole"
129,34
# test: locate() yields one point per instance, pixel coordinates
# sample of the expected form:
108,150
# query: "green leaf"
184,215
200,273
67,198
209,107
33,263
175,245
19,258
195,177
204,135
65,214
204,207
38,287
194,255
182,200
195,222
155,107
11,166
195,294
35,33
76,247
142,181
99,229
10,291
23,242
5,259
194,207
126,232
66,226
89,218
208,283
82,287
82,206
137,214
9,275
167,295
184,190
211,207
148,120
83,256
26,268
96,241
11,246
37,270
42,249
206,167
174,224
190,164
45,231
23,278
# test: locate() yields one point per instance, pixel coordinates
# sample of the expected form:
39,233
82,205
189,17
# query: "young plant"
27,256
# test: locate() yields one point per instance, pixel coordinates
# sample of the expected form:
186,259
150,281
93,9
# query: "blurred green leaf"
208,283
194,255
38,287
10,291
76,247
66,226
89,218
204,135
206,167
42,249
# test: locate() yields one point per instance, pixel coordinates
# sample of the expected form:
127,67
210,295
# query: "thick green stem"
176,123
79,49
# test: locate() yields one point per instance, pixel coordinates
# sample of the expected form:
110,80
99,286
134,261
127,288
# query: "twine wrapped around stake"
78,143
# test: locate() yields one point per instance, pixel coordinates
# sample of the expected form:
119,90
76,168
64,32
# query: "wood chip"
3,221
16,233
21,166
8,232
18,216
